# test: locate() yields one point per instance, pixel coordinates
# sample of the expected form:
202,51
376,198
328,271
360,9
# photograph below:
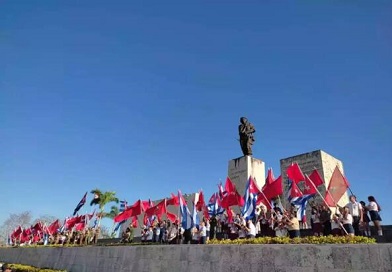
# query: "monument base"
242,168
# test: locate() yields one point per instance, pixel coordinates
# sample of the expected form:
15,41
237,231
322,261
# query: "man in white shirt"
251,230
356,212
203,233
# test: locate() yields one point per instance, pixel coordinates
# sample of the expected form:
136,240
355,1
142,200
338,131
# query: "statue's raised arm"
246,130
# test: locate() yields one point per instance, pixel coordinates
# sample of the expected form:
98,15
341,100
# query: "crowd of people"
67,237
351,219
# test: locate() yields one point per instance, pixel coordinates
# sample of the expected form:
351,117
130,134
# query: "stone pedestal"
242,168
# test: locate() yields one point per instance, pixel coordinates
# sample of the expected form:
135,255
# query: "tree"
22,219
45,219
113,212
104,233
101,199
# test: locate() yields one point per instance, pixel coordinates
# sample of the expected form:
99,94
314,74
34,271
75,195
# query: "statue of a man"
246,130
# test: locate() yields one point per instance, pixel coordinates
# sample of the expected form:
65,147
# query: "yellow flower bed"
305,240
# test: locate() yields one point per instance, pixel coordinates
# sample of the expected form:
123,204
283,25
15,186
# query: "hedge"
27,268
305,240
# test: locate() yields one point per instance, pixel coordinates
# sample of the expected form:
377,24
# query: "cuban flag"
123,205
186,218
301,203
299,200
80,204
195,215
250,197
118,226
213,205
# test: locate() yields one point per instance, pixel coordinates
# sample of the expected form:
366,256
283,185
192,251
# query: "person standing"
316,224
366,220
355,209
208,227
203,233
250,229
325,219
347,221
213,225
293,226
374,209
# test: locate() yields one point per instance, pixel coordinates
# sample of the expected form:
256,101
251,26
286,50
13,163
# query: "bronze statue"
246,130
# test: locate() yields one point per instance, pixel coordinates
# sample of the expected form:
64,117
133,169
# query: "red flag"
173,200
18,231
270,177
337,187
205,213
232,199
295,191
133,210
147,204
274,189
134,222
253,189
316,178
261,199
36,238
213,198
294,173
200,203
171,217
158,209
71,222
80,226
25,236
52,229
229,186
310,188
38,227
221,191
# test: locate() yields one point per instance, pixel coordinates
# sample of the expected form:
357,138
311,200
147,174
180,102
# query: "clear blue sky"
144,99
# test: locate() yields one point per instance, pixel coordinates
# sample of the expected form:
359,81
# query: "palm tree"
113,212
101,199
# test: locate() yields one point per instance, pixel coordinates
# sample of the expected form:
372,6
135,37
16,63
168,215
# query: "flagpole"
179,217
340,223
268,201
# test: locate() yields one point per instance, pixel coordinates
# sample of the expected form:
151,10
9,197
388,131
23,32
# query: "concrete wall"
205,258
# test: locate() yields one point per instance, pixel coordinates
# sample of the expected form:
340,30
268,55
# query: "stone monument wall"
197,258
325,165
242,168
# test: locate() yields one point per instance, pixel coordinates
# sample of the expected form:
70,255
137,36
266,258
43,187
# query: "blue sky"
144,99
